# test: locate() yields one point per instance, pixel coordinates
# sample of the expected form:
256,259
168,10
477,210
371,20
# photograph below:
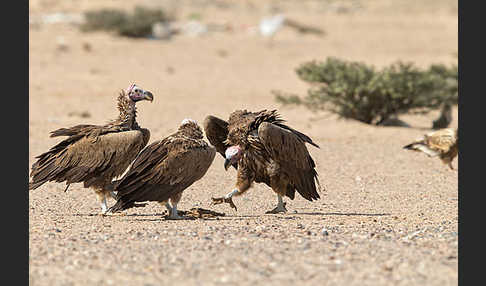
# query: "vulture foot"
278,209
217,201
174,216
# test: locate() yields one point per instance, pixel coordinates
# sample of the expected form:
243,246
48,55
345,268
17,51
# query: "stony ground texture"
386,217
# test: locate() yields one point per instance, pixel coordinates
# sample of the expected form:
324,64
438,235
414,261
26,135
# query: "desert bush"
104,19
138,24
359,91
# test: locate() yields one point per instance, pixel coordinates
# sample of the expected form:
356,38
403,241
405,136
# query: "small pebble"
324,231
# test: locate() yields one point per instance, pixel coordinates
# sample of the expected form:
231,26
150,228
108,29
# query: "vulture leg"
280,206
109,188
102,198
167,205
173,212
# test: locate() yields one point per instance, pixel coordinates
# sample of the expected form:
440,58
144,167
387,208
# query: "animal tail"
411,146
421,147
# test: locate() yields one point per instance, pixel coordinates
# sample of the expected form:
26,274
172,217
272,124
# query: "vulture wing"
441,140
216,130
161,171
87,157
301,136
289,150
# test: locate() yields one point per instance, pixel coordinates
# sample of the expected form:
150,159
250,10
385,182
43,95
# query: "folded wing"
216,130
87,157
289,150
161,170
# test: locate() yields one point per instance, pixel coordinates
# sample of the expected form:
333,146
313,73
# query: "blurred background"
204,56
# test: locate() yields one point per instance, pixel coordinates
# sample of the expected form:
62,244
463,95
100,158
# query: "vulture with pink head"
264,150
94,154
164,169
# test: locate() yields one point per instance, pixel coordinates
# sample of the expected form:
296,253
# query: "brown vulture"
442,143
95,154
165,168
264,150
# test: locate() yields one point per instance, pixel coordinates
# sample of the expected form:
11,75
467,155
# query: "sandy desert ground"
391,215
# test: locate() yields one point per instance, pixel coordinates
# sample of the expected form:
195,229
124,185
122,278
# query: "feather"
165,168
442,143
287,149
216,131
273,153
92,154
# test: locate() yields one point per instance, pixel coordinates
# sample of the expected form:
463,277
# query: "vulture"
95,154
264,150
164,169
442,143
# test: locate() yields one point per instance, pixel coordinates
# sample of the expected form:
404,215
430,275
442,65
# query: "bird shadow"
162,219
342,214
84,214
116,214
163,216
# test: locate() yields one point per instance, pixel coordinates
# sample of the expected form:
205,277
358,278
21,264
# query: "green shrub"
104,19
358,91
138,24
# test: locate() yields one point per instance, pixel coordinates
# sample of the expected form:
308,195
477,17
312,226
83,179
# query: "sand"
386,216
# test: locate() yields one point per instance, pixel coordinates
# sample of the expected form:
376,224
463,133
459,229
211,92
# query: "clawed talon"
217,201
176,216
278,210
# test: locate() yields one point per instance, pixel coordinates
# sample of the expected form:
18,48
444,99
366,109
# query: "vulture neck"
128,113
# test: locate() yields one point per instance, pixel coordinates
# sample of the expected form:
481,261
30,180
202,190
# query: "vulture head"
190,128
232,155
135,93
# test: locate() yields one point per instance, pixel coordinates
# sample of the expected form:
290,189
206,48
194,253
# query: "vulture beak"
227,163
148,96
231,155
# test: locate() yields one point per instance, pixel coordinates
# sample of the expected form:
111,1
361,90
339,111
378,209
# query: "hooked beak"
148,96
227,163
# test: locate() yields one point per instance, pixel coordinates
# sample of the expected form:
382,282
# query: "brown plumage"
165,168
95,154
216,131
266,151
442,143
